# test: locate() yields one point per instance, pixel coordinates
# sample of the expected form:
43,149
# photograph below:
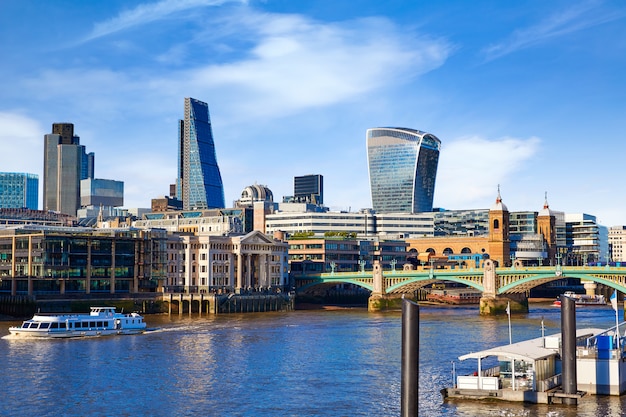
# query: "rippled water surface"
303,363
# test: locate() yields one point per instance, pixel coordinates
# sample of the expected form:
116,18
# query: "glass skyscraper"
19,190
199,184
402,169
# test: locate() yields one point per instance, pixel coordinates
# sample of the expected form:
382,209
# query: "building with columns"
202,262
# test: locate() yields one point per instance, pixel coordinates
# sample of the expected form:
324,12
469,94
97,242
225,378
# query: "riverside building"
402,167
49,260
201,263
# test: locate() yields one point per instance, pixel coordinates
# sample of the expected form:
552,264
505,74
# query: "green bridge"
498,285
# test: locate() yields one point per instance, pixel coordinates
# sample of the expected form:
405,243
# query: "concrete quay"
212,303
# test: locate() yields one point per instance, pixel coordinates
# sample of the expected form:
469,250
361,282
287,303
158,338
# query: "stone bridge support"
492,304
379,300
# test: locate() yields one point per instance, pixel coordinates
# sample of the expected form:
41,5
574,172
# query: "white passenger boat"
101,321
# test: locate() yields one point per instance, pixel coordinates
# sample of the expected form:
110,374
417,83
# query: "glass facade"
402,168
199,183
461,223
101,192
81,260
19,190
309,188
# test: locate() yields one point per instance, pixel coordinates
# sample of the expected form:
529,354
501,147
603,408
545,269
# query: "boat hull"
24,333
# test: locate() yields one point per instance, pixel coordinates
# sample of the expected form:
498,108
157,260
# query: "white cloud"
470,168
298,64
576,18
293,64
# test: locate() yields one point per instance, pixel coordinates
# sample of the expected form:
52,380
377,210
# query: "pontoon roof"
528,350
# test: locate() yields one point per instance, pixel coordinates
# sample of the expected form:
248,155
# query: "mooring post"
568,348
410,358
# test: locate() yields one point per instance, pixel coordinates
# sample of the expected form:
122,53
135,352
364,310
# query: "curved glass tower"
402,168
199,184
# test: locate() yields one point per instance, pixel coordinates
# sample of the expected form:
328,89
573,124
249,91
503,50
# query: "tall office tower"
402,168
199,184
19,190
309,188
65,163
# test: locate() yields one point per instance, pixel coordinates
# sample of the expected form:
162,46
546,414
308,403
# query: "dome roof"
256,192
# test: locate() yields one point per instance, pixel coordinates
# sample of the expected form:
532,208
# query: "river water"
300,363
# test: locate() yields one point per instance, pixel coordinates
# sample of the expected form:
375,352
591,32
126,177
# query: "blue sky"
530,95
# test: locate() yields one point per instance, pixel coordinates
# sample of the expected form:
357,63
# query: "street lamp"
362,263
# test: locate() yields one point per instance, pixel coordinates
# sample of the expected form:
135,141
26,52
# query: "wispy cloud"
147,13
561,23
470,168
291,64
297,64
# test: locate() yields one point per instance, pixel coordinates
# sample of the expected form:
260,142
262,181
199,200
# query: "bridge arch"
536,278
428,280
328,282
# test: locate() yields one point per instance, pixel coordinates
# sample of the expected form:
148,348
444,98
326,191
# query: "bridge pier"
384,302
379,300
496,306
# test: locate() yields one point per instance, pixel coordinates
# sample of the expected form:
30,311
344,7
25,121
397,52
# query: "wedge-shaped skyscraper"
402,168
199,183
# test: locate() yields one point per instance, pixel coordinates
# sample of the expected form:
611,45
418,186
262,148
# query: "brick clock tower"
546,226
499,243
